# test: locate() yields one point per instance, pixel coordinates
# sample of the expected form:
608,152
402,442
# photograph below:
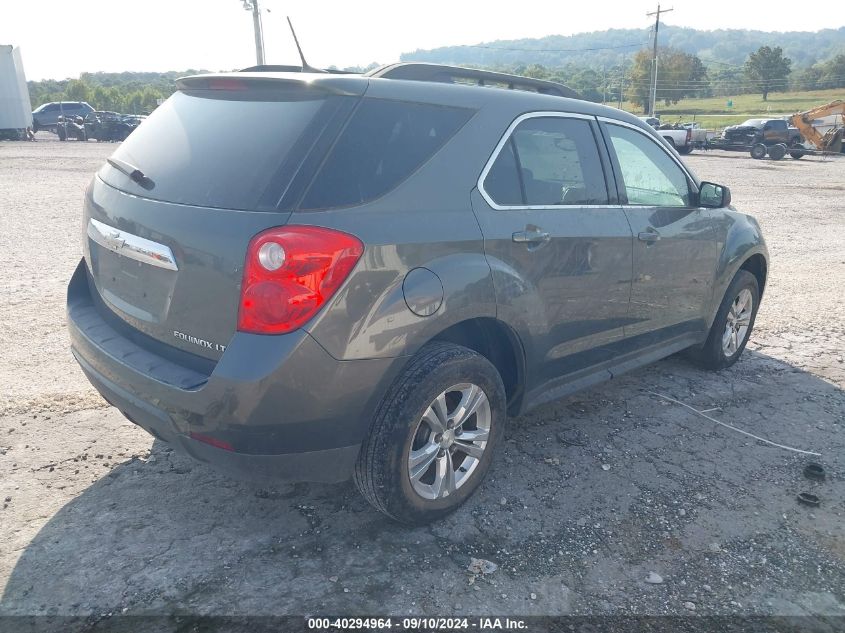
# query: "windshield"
219,149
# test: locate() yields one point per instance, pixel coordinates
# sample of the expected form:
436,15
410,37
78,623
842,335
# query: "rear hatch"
168,219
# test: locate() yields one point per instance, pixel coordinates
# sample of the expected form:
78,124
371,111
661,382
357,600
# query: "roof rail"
419,71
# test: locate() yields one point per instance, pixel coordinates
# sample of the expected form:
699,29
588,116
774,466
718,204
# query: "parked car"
369,283
700,136
677,137
109,126
762,136
46,116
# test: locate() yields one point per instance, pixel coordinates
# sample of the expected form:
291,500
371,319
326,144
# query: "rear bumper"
284,408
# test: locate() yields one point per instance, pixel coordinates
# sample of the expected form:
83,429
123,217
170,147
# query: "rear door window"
554,161
382,145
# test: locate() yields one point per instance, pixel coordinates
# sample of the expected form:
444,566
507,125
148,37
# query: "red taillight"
290,273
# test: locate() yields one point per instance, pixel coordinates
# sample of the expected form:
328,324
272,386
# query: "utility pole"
654,57
622,85
604,83
252,5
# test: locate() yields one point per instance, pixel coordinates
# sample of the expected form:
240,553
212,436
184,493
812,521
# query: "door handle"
649,236
531,237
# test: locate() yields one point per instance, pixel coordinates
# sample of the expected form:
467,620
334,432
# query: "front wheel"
732,326
758,151
433,436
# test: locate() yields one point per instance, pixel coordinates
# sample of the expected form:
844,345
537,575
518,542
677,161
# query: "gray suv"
46,116
368,283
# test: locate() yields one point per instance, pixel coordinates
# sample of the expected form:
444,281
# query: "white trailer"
15,107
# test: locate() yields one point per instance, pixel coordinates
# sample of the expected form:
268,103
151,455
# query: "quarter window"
548,161
649,175
503,182
383,144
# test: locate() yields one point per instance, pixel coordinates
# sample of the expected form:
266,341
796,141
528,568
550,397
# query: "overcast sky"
159,35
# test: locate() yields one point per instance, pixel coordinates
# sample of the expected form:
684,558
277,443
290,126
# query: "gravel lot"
589,496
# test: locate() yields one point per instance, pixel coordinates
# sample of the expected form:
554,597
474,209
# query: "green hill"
608,48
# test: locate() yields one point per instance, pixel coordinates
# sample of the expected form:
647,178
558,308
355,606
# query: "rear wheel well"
756,265
497,343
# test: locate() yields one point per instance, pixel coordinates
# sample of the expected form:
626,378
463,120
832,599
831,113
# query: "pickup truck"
762,136
680,138
766,131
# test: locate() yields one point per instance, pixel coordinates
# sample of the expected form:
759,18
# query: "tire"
671,142
686,149
758,151
35,126
797,151
715,354
383,471
776,152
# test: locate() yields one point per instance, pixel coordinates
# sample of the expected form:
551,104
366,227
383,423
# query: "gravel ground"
589,499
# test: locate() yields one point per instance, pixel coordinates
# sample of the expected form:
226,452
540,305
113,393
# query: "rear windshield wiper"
133,172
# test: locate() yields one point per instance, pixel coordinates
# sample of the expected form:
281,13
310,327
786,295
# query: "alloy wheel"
449,441
738,322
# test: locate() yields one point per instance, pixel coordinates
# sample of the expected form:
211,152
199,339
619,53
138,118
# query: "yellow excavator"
830,141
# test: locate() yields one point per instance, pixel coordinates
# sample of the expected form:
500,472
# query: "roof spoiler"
235,82
279,68
418,71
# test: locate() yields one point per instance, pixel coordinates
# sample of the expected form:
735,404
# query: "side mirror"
713,196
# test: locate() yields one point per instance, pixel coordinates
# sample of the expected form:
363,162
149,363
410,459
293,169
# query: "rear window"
383,144
224,149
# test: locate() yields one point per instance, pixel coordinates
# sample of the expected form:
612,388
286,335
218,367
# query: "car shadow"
168,535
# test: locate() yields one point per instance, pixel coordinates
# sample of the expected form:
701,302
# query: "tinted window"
219,149
557,161
383,144
650,176
502,182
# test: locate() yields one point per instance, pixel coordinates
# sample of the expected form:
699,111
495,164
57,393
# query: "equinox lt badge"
199,341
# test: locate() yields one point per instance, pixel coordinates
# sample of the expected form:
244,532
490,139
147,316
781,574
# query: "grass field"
714,113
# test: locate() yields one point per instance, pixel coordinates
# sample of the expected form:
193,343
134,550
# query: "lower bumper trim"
331,465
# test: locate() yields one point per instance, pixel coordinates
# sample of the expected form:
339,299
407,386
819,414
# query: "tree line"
614,47
683,75
680,75
128,92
